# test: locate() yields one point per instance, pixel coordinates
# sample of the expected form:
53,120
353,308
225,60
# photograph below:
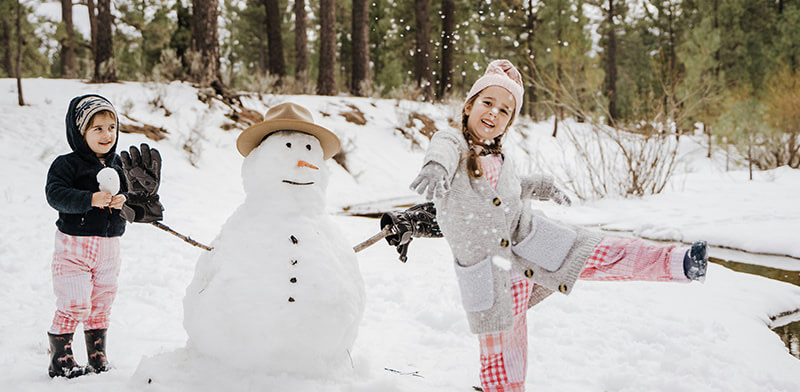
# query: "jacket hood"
74,137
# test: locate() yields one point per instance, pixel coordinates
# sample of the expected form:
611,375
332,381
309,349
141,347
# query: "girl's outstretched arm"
445,149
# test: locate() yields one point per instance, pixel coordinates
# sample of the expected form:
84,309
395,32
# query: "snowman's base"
186,370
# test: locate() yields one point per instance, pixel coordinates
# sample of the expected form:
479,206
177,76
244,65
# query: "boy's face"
102,133
490,113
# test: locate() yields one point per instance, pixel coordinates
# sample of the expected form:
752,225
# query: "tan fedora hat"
287,117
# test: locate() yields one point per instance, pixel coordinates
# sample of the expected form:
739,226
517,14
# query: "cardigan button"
528,273
562,288
496,201
504,243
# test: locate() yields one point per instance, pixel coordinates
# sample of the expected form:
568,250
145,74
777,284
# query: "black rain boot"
96,349
62,362
695,261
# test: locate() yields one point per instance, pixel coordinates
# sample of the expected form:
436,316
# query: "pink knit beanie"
500,73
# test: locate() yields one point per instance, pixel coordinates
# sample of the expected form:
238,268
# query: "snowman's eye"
308,147
289,145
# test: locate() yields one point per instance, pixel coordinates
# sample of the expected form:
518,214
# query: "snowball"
108,180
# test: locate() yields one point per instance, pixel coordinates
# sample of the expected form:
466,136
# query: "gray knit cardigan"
493,231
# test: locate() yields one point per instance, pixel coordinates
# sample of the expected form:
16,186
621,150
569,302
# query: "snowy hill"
605,336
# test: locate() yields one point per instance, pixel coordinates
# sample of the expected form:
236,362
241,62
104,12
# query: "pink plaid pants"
85,271
504,355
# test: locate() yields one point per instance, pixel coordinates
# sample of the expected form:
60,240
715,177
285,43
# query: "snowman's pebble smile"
298,183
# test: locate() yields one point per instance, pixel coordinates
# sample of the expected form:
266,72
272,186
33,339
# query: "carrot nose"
306,164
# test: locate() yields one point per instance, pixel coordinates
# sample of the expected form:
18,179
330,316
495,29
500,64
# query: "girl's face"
490,113
102,133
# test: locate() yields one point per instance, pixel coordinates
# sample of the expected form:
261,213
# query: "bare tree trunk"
558,110
422,58
205,41
707,129
92,25
300,43
326,82
611,65
530,26
448,29
277,65
20,99
68,45
361,74
750,156
104,69
717,63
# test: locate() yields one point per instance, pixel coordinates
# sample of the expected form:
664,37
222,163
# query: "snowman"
281,291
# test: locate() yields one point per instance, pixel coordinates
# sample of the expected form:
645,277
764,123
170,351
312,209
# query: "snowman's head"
287,167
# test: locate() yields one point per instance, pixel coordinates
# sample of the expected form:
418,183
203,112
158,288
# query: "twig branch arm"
181,236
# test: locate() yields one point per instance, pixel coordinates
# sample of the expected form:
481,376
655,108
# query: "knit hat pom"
500,73
504,67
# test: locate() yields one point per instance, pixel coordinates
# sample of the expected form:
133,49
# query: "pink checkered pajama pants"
85,271
504,355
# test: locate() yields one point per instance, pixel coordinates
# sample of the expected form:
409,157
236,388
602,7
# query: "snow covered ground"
603,337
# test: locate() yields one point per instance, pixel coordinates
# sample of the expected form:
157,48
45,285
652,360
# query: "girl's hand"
560,197
117,201
431,181
101,199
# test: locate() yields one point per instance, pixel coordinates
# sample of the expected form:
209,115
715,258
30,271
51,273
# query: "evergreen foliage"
728,67
35,47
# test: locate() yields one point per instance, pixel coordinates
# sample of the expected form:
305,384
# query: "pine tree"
68,43
610,61
326,81
104,67
20,99
423,63
205,64
448,41
7,9
33,62
360,80
300,43
181,38
277,64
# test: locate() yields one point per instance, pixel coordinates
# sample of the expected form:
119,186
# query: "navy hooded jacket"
72,179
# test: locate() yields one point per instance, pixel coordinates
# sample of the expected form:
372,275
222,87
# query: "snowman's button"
291,299
293,239
294,262
293,280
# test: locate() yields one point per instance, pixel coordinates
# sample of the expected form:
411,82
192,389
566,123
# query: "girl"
507,256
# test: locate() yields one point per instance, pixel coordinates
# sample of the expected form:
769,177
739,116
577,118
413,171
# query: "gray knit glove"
558,196
431,181
542,187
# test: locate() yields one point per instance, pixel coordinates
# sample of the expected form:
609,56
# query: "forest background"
726,68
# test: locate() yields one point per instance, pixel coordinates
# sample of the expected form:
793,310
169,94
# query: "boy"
86,258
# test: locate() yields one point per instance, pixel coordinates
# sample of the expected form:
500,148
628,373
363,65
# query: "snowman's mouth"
298,183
